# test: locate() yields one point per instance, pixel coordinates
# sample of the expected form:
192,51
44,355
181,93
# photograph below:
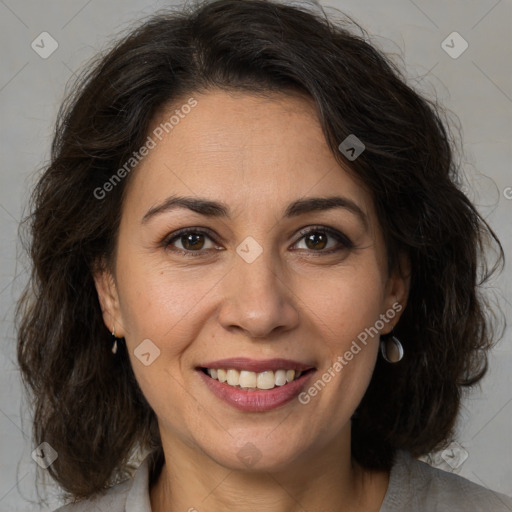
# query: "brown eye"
317,239
190,241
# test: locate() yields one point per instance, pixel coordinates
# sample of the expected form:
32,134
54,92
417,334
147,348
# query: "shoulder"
113,500
134,491
415,485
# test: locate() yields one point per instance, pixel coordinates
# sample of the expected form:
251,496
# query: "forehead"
242,149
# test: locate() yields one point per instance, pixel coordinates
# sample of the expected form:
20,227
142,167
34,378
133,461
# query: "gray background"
476,86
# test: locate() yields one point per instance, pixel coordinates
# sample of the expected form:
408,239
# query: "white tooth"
233,377
266,380
247,379
290,375
280,377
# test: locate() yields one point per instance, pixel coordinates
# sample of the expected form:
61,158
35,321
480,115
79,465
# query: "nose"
257,300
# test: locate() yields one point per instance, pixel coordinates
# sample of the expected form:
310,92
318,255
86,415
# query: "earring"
114,346
391,349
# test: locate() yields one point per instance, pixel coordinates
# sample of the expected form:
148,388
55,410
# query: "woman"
253,264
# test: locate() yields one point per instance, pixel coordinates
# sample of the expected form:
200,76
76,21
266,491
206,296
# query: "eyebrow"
216,209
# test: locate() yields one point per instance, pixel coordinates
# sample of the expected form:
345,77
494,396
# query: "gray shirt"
414,486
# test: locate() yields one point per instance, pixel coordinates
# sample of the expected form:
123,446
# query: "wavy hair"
87,403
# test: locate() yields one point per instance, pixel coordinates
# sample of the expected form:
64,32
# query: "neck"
192,481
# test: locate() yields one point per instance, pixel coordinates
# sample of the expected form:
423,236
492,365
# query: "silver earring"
114,346
391,349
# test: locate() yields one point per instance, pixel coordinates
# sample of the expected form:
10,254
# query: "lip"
255,400
257,366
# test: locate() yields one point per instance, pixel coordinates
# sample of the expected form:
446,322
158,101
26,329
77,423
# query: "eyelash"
343,240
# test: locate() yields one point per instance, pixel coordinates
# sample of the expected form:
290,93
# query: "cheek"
345,303
345,310
161,304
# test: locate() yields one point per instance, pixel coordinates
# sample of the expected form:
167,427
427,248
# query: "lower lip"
252,400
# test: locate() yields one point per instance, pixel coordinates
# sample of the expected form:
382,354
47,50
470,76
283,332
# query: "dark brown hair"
87,403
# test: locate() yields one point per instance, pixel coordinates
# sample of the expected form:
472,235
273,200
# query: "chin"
259,452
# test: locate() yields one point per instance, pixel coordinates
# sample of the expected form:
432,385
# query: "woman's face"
248,284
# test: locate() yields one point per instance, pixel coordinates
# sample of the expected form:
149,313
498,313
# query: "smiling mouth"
251,381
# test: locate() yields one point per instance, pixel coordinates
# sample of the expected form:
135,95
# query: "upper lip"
254,365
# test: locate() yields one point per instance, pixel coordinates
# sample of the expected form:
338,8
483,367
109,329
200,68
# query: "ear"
109,300
397,291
